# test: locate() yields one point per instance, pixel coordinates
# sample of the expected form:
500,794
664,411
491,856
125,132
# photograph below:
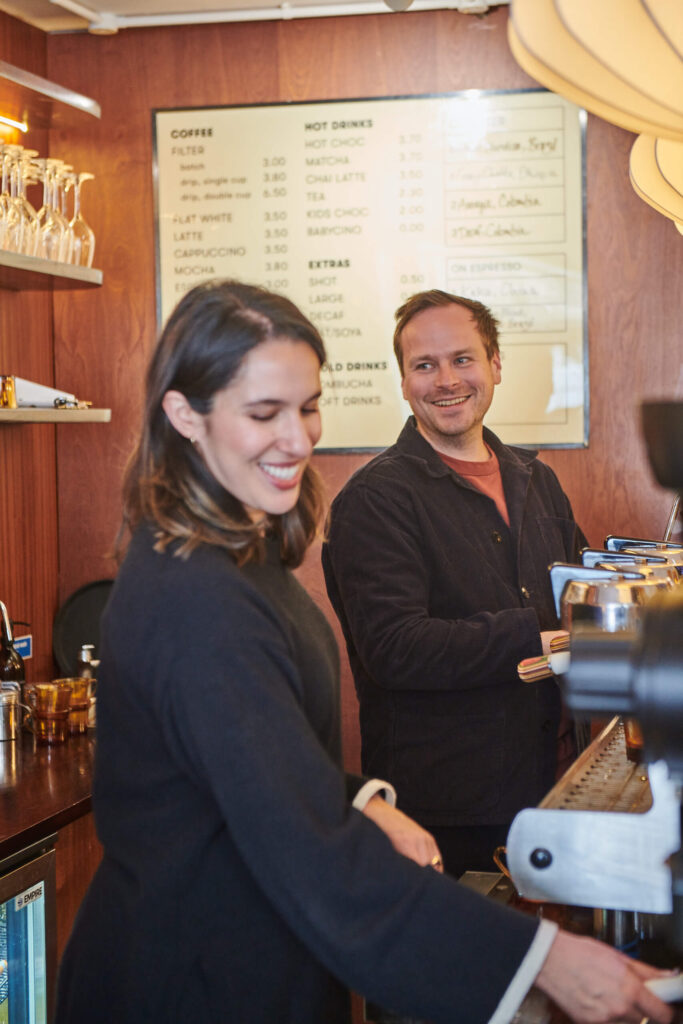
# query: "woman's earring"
193,440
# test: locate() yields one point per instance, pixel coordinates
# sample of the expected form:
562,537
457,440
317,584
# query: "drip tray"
603,779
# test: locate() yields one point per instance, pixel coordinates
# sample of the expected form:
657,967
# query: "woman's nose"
297,439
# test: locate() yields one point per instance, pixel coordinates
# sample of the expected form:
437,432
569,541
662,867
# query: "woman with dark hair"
242,879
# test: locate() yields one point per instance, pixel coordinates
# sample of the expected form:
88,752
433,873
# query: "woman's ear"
181,415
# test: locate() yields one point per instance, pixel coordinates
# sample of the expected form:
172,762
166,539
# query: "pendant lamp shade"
624,38
623,61
670,162
651,182
558,58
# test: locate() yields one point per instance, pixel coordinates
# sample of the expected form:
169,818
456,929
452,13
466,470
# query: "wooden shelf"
28,273
27,415
41,103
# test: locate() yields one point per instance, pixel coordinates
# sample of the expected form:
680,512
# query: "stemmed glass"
82,235
47,233
14,222
27,213
20,218
62,185
4,193
54,229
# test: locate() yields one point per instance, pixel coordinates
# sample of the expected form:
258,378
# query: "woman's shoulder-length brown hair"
201,348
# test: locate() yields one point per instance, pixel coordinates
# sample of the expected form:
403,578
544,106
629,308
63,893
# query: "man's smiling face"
448,379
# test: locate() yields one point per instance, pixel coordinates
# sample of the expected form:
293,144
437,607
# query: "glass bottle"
84,662
12,673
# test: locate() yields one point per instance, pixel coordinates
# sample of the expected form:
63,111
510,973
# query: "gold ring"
436,861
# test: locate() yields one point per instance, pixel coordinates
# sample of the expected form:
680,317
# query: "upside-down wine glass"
82,235
53,231
4,193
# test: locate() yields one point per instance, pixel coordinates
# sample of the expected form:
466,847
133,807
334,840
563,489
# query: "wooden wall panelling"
28,495
104,337
635,257
22,45
78,855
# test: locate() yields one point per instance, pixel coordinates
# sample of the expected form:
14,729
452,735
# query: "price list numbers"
413,213
411,184
276,240
411,283
204,199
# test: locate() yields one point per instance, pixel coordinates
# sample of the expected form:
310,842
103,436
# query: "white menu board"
350,207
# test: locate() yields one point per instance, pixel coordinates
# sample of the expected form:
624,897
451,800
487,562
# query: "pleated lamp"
623,61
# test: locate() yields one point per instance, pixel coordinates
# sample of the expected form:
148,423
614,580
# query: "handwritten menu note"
350,207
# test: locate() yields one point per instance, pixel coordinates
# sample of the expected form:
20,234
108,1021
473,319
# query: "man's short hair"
487,325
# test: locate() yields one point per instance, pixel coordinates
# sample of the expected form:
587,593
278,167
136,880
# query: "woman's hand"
407,837
594,984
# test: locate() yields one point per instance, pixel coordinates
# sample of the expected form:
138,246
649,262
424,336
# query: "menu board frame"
561,364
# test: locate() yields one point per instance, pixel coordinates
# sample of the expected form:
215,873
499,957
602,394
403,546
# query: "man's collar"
411,442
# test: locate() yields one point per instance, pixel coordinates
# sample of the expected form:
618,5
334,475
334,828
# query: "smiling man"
436,563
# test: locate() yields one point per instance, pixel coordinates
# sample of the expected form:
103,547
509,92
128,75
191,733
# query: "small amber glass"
49,698
51,727
49,703
79,704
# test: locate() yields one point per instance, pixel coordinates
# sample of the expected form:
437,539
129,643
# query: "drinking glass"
14,223
82,235
4,193
29,217
54,227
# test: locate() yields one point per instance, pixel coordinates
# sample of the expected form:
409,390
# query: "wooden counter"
46,790
42,788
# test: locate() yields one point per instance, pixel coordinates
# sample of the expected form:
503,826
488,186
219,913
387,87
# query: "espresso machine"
608,835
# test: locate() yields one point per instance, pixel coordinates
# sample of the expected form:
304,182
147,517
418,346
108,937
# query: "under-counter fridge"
28,935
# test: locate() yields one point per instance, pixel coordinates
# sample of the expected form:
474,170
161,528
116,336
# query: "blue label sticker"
23,645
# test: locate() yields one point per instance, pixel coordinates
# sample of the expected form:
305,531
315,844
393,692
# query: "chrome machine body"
608,834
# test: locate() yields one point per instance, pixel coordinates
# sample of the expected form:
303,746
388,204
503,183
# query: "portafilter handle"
593,556
622,543
562,573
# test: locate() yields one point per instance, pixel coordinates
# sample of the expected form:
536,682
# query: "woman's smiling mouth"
281,473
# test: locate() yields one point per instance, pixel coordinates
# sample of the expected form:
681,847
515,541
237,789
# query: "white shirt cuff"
526,973
367,791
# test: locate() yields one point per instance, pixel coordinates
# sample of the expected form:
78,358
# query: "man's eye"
310,410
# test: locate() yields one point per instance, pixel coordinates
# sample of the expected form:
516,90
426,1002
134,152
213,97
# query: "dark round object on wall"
77,622
662,424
